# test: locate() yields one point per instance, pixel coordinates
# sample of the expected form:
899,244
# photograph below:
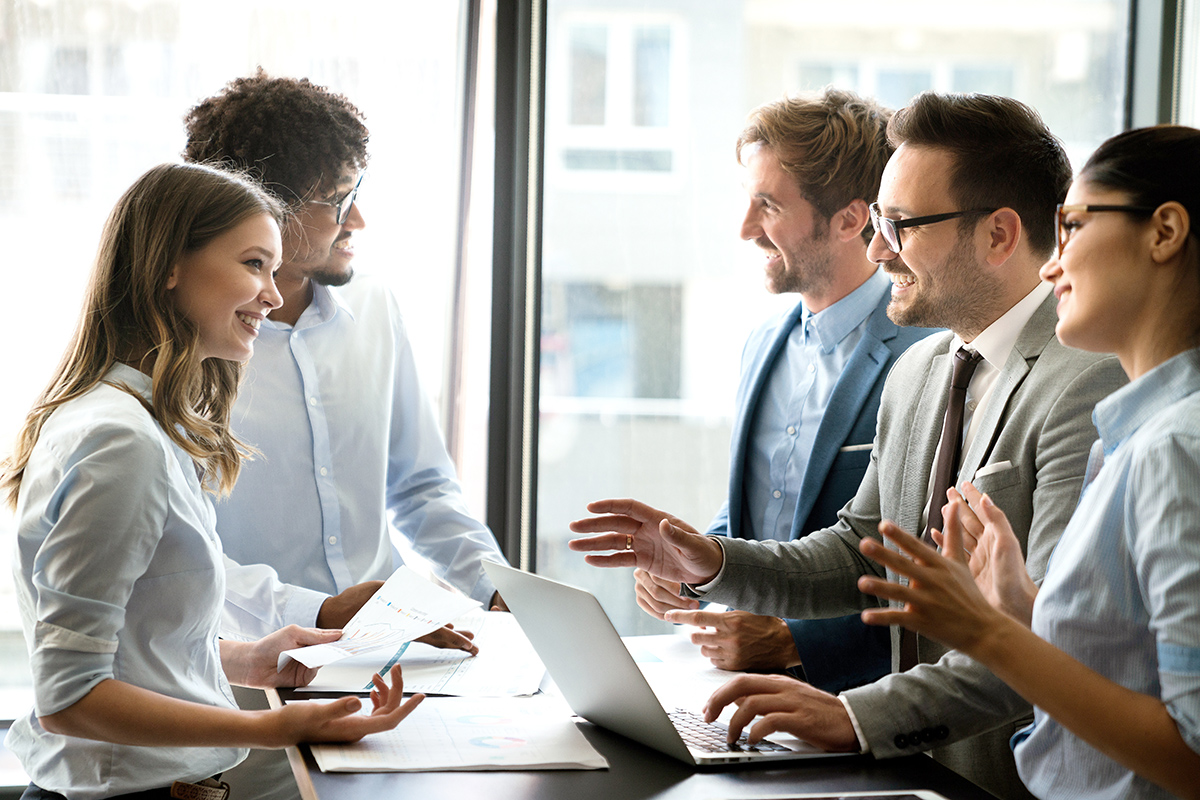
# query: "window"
1189,72
647,293
90,100
616,109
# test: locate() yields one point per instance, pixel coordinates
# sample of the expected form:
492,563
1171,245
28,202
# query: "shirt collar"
1120,414
135,379
998,339
833,324
326,304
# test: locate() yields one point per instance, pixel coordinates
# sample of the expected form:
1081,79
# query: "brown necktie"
946,466
950,450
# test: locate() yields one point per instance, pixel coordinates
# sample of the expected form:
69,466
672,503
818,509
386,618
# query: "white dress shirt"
351,454
119,575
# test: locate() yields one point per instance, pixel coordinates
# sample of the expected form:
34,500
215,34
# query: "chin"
333,277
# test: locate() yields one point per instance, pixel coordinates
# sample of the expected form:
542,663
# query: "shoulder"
109,431
924,349
774,326
1078,371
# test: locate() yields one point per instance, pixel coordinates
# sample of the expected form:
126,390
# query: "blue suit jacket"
842,652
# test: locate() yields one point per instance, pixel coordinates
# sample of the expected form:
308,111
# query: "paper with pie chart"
405,607
470,733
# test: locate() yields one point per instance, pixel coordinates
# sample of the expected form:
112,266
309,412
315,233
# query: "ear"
1170,225
1003,230
173,278
848,223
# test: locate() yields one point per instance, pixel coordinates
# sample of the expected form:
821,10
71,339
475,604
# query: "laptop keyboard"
710,736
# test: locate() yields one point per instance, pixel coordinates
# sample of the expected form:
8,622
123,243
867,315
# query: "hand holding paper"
407,606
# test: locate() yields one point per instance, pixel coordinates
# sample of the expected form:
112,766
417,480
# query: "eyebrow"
267,253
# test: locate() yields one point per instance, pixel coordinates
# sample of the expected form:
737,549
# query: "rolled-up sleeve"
1165,543
98,512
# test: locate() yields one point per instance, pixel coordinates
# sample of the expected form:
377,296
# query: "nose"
270,296
354,220
1051,269
751,229
878,250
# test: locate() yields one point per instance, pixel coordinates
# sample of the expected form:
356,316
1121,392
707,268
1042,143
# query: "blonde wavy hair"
128,316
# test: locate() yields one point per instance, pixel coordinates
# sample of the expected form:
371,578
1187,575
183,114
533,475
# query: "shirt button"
312,401
333,540
777,494
791,430
971,405
324,472
812,368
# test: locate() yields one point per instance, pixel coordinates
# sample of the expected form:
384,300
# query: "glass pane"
94,93
1189,89
648,294
652,76
589,60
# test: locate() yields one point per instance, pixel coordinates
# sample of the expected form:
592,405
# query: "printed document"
469,733
405,607
505,666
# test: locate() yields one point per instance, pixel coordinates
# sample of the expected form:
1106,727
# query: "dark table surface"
636,771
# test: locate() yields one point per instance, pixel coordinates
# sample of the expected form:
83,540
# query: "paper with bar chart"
405,607
506,665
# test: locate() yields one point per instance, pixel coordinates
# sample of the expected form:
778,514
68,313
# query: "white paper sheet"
461,733
405,607
506,665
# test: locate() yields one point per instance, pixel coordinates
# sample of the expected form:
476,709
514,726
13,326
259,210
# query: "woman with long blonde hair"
119,571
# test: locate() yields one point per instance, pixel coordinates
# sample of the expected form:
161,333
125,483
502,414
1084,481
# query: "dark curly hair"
294,136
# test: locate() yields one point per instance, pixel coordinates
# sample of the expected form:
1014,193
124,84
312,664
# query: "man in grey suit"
990,164
808,397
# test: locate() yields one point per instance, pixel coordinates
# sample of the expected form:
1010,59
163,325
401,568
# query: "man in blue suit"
811,377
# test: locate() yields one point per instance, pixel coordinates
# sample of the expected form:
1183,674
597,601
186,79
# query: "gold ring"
628,542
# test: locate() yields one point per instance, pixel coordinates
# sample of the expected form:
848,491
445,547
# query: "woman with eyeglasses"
1108,648
119,572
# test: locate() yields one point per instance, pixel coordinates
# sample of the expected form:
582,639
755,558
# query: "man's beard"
961,300
328,277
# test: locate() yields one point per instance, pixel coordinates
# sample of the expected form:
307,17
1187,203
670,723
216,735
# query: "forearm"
121,713
810,578
1131,728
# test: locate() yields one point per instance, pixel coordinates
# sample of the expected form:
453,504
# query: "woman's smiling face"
227,287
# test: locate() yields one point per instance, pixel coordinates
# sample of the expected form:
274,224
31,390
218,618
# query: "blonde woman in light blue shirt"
119,571
1108,647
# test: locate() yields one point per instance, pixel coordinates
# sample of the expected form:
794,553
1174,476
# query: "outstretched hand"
941,600
339,721
649,539
738,640
657,596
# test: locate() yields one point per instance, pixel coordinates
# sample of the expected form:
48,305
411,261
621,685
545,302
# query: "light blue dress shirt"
1122,590
119,575
351,451
793,402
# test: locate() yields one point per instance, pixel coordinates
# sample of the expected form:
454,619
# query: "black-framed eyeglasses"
1065,230
343,204
889,228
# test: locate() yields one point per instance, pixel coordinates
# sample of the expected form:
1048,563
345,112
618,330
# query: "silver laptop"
601,682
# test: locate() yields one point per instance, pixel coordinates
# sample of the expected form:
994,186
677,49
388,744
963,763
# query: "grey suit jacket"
1032,445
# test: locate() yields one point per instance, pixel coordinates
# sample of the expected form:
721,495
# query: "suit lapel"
761,370
923,435
1029,345
850,394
